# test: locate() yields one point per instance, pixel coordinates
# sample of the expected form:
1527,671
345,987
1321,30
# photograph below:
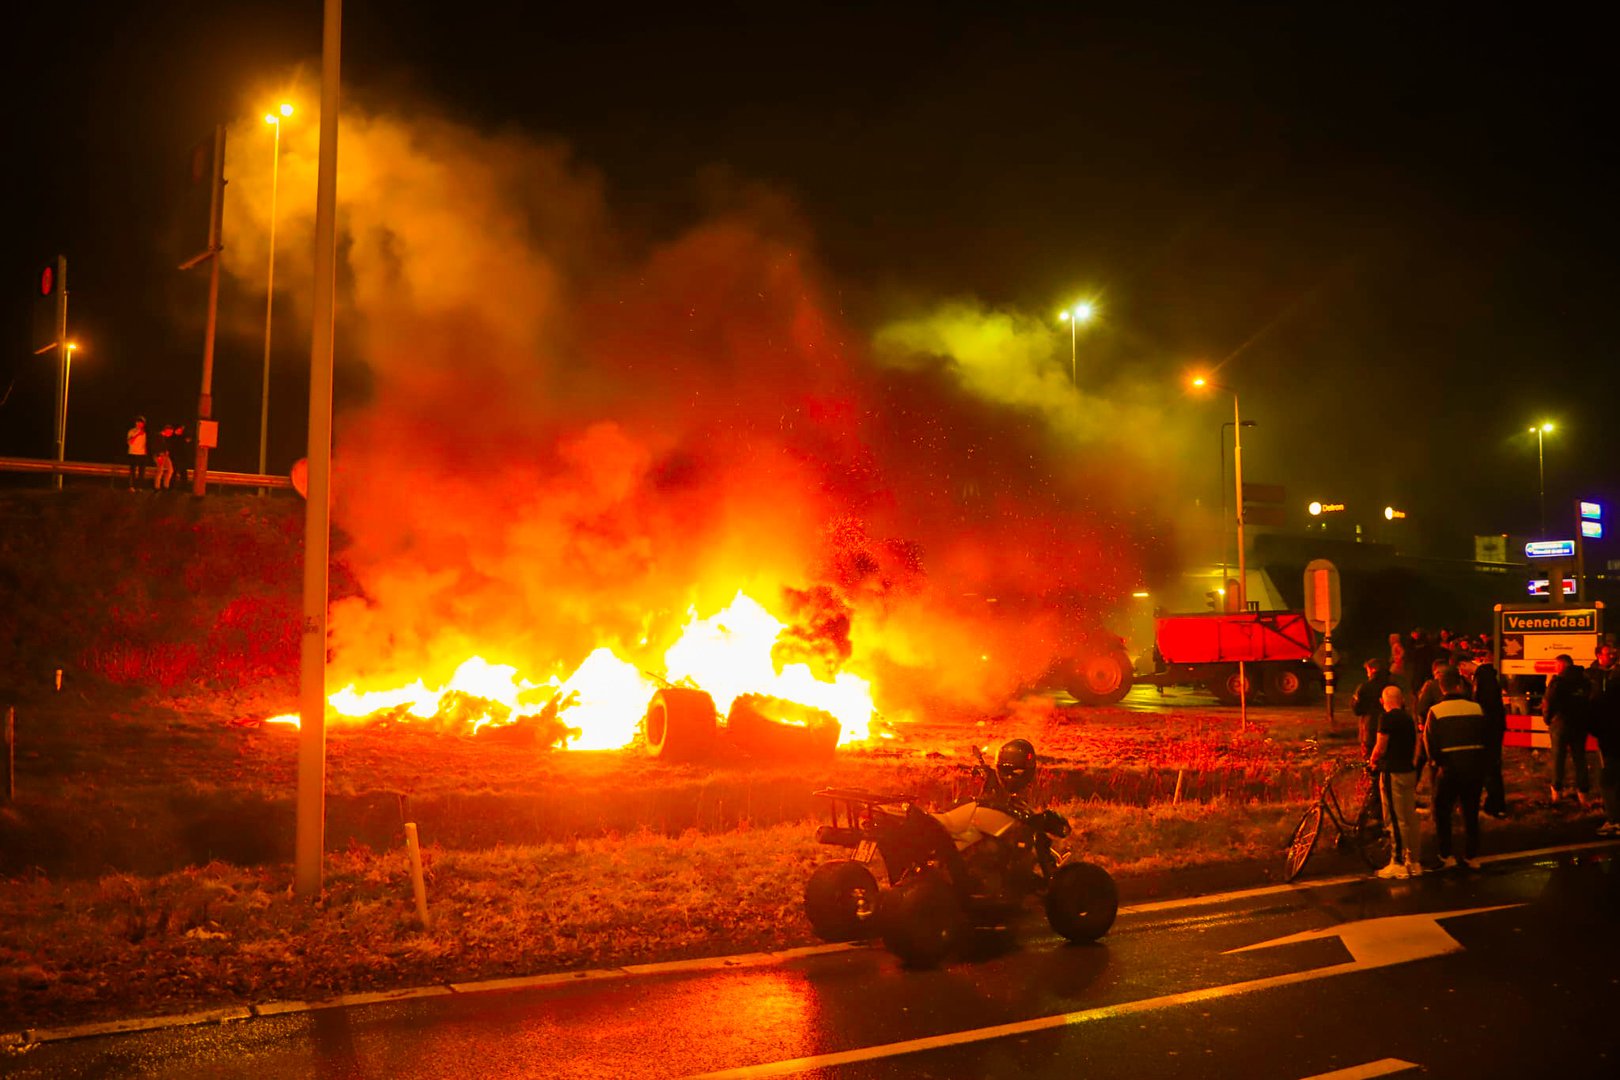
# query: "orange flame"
727,654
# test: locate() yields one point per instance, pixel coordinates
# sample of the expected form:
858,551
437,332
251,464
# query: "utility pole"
62,361
309,846
205,399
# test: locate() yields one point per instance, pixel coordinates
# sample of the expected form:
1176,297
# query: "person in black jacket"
1488,695
1565,708
1604,722
1367,704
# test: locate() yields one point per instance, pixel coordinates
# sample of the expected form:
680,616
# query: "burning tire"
922,920
1285,685
841,900
775,727
1082,902
679,724
1100,678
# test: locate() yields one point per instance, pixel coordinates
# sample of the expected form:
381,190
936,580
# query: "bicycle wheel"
1304,841
1370,837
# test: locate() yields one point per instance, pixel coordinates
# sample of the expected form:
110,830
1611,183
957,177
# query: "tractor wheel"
841,900
923,921
679,724
1285,685
1082,901
1100,678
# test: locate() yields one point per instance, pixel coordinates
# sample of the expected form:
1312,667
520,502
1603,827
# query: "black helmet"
1015,765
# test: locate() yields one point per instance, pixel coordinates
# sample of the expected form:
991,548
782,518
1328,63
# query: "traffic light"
49,289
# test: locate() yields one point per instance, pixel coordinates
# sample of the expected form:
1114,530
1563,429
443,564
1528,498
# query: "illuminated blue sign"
1550,549
1592,511
1592,530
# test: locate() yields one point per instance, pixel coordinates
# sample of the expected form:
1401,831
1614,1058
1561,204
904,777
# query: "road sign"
1529,640
1591,511
1263,493
1550,549
1322,595
1592,530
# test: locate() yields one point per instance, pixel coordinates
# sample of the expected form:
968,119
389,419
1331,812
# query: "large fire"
727,654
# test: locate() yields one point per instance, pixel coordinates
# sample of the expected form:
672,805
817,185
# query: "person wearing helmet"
1015,765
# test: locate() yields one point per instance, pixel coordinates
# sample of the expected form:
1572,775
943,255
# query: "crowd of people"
1436,710
168,449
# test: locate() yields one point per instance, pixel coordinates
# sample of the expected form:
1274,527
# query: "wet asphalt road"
1531,989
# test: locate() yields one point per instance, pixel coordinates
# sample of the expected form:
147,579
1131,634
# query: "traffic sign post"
1322,612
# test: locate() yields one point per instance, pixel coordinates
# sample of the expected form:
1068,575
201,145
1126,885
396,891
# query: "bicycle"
1352,785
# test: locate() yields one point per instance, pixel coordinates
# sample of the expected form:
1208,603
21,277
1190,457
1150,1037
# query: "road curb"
28,1038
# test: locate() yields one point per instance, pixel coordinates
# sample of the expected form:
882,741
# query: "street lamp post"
1222,486
274,120
1243,585
1080,313
61,421
1540,430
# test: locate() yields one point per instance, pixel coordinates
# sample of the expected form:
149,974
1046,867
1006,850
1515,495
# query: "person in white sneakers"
1393,757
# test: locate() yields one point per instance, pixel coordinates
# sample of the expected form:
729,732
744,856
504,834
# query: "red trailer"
1204,650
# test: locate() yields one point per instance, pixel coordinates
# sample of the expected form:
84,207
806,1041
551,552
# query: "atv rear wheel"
1100,678
841,900
923,920
1082,901
679,724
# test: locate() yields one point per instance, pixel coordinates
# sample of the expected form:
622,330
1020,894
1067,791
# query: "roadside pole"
205,397
310,839
1243,569
62,361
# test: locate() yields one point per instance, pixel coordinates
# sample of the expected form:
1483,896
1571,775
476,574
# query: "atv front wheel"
922,920
841,900
1082,901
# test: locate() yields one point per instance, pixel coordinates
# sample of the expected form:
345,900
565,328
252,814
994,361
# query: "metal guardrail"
90,468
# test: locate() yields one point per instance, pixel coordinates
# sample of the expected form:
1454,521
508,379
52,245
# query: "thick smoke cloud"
569,440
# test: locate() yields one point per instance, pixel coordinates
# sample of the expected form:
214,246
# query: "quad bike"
969,867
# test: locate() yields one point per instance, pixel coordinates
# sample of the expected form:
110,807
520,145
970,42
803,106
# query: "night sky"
1394,228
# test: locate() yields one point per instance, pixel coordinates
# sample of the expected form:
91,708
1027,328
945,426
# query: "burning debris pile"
723,664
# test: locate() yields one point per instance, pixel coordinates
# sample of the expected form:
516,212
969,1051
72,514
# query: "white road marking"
1022,1027
1393,939
1374,943
1382,1067
1342,879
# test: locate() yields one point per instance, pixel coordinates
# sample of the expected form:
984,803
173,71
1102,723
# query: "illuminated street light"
1082,312
274,121
1539,431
